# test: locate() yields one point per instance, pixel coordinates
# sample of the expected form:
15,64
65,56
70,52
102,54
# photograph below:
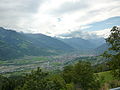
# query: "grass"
28,60
109,80
3,62
107,76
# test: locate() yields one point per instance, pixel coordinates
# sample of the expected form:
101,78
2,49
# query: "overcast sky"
57,17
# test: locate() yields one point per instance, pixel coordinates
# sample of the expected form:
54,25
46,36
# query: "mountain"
48,42
101,49
97,41
15,45
79,43
86,46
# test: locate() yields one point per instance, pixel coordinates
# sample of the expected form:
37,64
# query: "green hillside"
15,45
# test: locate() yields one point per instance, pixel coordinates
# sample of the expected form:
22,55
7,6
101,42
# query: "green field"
107,76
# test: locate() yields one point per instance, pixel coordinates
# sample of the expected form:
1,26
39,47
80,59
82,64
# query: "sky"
61,18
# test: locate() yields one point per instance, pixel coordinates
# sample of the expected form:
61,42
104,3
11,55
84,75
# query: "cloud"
101,25
94,30
86,34
15,12
56,17
69,7
22,6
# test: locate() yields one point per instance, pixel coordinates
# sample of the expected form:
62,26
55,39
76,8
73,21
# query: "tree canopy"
114,42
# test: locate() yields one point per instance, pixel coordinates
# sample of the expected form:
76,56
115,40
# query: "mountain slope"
15,45
97,41
48,42
79,44
101,49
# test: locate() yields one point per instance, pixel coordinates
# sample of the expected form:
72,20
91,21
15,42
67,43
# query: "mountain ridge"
14,44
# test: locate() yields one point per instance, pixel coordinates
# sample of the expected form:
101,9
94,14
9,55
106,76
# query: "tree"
39,80
81,75
114,39
114,42
6,83
56,82
67,73
35,81
84,76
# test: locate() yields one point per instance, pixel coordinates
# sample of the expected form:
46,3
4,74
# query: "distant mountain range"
100,50
83,44
104,47
15,45
79,44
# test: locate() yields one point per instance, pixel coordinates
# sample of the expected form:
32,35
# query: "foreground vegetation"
79,76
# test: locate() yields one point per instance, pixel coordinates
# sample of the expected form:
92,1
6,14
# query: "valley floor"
28,63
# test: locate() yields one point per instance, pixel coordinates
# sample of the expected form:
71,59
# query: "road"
115,88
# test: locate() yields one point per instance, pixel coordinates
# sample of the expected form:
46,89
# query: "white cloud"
41,16
102,33
86,34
